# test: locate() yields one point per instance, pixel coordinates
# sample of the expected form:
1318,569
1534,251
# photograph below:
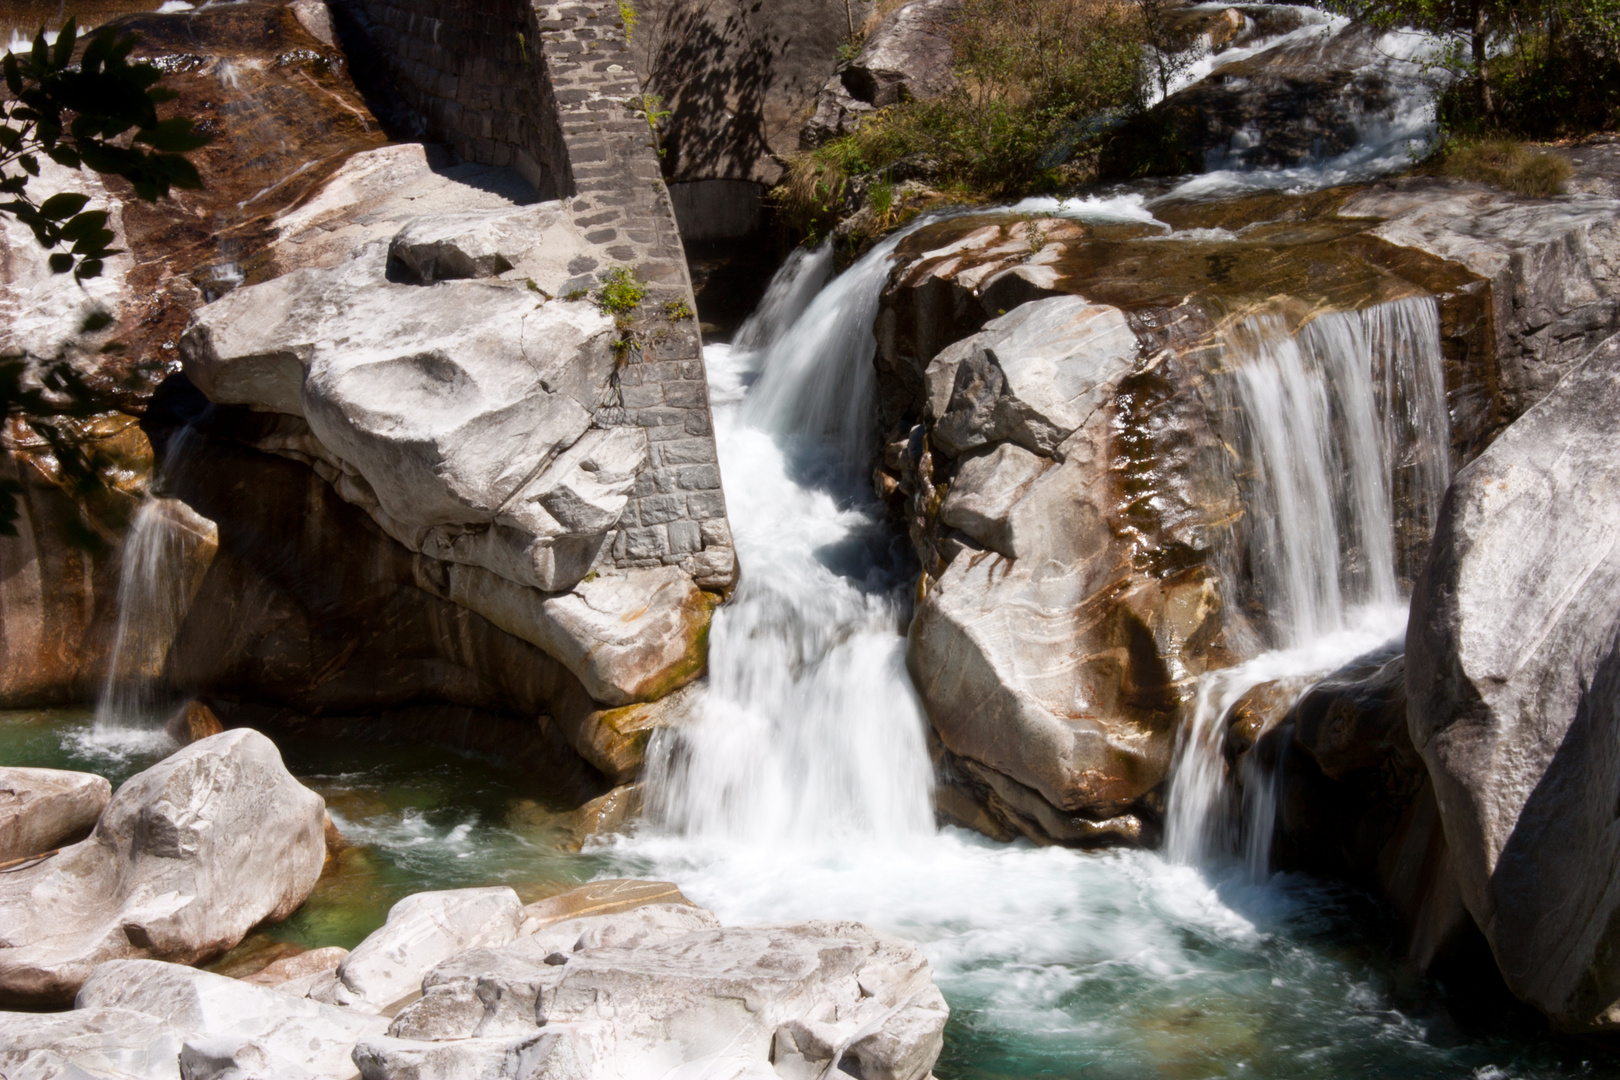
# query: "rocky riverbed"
1219,525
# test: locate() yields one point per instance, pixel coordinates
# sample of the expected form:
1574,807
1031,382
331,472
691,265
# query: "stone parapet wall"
552,90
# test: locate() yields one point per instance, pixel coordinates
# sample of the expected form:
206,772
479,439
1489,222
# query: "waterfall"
809,728
165,556
1343,436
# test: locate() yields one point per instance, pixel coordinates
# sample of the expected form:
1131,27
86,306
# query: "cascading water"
802,787
1345,436
161,572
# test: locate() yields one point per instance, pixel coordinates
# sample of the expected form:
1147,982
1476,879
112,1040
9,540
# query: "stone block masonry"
552,90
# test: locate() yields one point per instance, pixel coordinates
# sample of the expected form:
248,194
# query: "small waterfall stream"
1344,428
162,569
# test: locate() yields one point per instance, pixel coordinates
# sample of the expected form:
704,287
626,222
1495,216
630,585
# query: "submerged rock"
1512,672
187,858
43,809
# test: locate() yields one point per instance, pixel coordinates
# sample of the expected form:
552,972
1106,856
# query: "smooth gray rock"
1032,376
483,243
187,858
448,409
1553,266
99,1043
524,1057
422,930
494,992
986,489
1513,681
229,1025
43,809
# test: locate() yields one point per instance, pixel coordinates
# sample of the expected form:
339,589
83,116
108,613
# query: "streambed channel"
1055,963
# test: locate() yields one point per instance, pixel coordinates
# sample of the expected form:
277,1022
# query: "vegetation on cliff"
1037,82
1530,68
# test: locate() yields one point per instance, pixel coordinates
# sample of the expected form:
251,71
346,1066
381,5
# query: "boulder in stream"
663,987
187,858
43,809
1513,678
231,1029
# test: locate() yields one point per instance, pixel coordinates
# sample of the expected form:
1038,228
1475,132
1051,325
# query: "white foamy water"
1345,432
1387,141
803,789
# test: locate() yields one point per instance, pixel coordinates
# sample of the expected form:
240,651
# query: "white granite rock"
422,930
187,858
42,809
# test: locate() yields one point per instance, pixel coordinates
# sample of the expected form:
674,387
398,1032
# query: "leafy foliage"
1537,68
99,113
620,293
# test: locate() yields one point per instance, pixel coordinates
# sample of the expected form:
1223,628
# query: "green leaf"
89,268
61,263
65,205
65,40
29,163
64,156
13,75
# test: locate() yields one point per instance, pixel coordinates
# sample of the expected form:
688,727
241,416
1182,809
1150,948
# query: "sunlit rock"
422,930
1032,376
43,809
1513,677
653,989
187,858
1552,268
93,1043
232,1029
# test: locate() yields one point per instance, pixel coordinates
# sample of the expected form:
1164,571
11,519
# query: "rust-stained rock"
193,722
598,898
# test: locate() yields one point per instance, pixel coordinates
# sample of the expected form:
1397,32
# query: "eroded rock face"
1552,268
421,930
442,404
1512,670
187,858
43,809
612,979
475,418
94,1042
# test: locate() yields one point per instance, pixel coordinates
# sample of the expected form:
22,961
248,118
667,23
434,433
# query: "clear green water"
1056,964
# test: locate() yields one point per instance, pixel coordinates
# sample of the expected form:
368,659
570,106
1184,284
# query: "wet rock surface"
1510,675
187,858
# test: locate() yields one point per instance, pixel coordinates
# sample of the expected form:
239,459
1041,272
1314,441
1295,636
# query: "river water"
804,789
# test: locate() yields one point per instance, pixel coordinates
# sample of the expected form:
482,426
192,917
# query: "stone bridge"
551,90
